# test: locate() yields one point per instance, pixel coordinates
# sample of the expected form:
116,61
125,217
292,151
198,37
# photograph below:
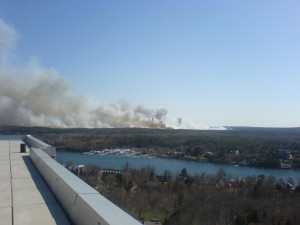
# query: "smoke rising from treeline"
31,95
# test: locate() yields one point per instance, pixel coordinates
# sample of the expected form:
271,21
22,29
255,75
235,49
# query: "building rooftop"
24,196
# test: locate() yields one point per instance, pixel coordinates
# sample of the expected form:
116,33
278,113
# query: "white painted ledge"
82,204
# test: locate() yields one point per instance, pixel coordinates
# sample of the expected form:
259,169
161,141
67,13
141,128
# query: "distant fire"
31,95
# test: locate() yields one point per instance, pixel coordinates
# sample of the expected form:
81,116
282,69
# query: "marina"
117,158
119,152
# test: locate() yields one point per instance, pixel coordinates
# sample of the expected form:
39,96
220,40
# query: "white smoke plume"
8,40
31,95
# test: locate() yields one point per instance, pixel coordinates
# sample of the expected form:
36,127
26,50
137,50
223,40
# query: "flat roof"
25,198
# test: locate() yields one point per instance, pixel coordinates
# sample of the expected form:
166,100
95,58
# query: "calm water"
174,165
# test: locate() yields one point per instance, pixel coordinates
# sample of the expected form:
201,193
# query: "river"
173,165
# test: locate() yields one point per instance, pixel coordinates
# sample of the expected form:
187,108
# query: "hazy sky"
214,63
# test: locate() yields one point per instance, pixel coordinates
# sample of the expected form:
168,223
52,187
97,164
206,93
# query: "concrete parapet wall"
36,143
83,204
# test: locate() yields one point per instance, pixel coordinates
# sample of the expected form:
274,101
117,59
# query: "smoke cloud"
31,95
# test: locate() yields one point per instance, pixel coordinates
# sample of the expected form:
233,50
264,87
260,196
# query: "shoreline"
192,160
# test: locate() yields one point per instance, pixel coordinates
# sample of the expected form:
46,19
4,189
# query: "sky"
210,63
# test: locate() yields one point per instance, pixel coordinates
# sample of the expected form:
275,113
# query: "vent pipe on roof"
22,148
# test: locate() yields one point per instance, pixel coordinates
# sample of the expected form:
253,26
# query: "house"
284,154
234,152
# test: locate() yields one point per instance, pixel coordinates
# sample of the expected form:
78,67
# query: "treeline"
199,200
255,146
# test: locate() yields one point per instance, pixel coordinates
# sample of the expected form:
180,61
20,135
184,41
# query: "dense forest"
245,146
